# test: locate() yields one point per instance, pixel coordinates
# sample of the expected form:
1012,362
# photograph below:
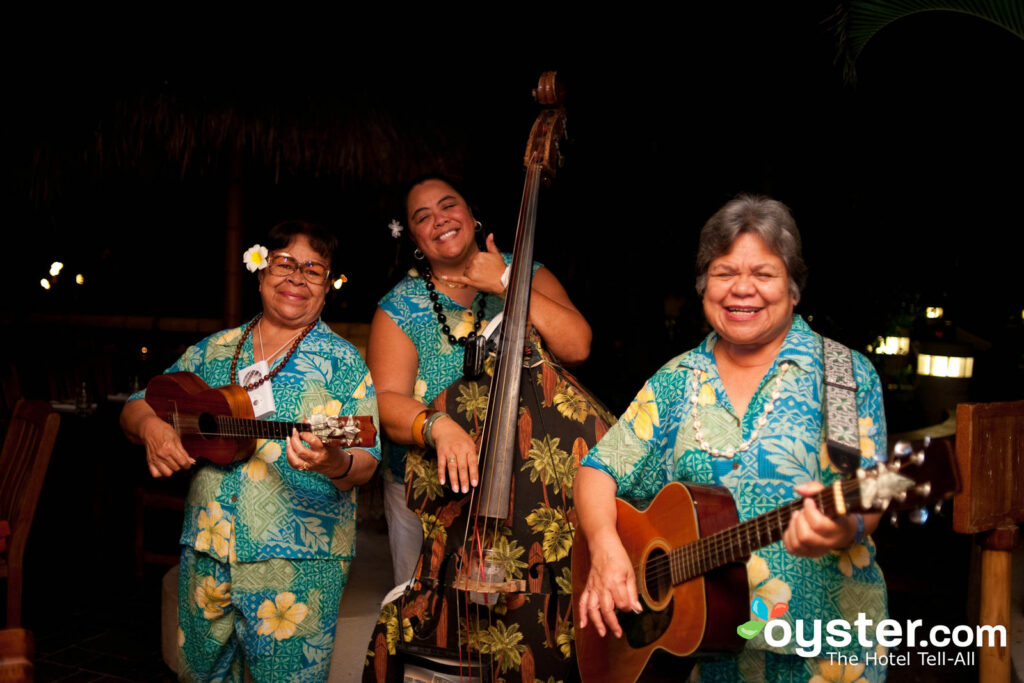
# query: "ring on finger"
452,460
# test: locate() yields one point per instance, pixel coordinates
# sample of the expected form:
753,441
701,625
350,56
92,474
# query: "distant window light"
55,268
892,346
945,366
933,312
44,283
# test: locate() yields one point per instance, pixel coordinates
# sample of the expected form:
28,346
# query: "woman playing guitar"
744,411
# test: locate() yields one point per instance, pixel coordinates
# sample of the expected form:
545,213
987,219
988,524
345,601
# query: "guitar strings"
710,552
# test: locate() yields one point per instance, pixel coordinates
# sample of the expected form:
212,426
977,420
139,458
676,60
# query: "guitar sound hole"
207,425
657,577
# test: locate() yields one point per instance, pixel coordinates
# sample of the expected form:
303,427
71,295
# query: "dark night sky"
906,187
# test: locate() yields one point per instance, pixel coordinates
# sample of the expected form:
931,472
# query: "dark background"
121,131
905,184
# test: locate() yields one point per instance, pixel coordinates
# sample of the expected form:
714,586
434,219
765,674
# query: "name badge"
262,398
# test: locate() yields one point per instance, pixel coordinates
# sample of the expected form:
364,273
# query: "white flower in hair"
255,258
396,228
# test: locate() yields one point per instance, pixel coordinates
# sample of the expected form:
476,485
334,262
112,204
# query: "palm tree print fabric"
528,633
655,443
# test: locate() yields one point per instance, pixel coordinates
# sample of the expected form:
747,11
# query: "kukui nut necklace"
284,361
769,406
428,282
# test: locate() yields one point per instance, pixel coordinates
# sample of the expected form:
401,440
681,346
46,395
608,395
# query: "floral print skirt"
524,631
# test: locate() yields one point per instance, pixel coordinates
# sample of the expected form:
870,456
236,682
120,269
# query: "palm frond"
857,21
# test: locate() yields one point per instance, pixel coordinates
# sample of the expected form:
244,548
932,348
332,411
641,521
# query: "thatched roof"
300,128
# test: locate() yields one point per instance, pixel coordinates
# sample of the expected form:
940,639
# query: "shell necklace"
769,406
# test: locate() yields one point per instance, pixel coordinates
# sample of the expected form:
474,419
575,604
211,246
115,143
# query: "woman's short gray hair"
767,218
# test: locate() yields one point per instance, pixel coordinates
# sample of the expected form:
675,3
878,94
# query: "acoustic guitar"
218,424
689,553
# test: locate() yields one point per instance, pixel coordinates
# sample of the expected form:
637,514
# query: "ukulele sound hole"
207,425
657,577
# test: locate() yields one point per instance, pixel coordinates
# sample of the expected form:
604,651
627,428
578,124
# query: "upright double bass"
490,596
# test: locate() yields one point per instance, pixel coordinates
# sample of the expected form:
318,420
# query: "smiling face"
440,223
748,298
289,300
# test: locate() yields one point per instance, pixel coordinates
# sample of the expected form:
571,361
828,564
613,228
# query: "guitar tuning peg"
917,458
923,489
937,508
894,520
902,448
919,515
901,496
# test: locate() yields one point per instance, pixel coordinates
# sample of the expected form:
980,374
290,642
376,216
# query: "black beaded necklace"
428,282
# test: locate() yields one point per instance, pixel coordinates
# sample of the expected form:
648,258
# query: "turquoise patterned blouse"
262,508
654,443
440,363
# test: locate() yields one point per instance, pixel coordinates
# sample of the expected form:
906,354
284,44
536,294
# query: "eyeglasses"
284,265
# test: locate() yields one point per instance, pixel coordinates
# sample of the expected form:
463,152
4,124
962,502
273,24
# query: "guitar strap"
839,394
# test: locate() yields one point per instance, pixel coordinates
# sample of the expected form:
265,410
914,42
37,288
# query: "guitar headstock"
343,431
917,477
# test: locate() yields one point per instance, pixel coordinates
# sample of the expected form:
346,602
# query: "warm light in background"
44,283
144,350
945,366
933,312
892,346
340,281
79,279
55,268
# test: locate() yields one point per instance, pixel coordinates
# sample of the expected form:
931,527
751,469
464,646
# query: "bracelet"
351,459
428,427
860,530
417,429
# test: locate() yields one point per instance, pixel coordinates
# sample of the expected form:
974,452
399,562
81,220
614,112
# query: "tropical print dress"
528,632
439,364
655,443
262,539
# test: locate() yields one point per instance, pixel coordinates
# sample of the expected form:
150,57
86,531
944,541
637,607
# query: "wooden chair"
23,462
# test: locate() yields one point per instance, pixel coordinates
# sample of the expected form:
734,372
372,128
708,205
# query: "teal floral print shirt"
262,508
439,363
655,443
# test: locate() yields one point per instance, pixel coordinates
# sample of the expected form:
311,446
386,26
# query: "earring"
418,255
479,226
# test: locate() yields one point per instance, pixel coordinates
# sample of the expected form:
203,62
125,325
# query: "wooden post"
233,244
994,662
990,456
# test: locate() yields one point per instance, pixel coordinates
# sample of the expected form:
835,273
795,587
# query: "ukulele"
218,424
689,553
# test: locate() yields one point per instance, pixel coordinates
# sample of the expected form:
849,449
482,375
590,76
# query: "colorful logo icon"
760,609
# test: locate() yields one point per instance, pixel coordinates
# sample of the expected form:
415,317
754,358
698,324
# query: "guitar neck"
737,543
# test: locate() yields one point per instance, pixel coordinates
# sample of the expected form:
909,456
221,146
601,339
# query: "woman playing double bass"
520,622
417,339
